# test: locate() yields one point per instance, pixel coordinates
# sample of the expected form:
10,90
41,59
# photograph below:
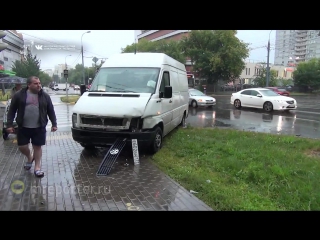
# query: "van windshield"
139,80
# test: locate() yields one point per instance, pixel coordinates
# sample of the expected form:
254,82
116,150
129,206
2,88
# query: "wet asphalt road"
305,121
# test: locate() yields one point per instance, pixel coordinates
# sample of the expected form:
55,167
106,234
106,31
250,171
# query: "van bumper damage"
107,138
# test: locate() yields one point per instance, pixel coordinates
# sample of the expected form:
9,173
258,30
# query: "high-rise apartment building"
295,46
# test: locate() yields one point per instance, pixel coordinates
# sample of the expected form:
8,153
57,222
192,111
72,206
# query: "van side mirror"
167,92
82,89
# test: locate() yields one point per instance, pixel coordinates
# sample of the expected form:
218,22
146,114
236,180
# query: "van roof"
142,60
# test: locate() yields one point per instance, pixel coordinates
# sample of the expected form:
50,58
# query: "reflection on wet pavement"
70,181
205,117
300,122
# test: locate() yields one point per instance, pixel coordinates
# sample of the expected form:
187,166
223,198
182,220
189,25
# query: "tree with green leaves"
30,66
307,75
44,78
261,80
143,45
169,47
75,75
216,54
284,82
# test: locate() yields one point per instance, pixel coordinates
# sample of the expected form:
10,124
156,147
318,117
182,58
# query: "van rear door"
176,101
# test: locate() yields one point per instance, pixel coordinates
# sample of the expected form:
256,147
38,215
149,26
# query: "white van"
139,96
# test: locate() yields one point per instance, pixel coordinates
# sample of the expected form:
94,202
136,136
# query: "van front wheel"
87,147
157,141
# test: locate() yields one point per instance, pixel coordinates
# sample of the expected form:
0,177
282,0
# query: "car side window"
165,81
254,93
246,92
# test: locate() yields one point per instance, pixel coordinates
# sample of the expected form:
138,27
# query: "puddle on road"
221,124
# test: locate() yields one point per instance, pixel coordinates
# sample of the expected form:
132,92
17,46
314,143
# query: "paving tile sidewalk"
70,181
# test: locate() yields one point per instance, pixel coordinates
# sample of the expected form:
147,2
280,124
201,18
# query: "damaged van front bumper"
107,138
104,131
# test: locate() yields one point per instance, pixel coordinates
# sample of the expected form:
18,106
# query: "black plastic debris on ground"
111,157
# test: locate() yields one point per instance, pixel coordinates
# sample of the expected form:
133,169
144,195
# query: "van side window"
165,81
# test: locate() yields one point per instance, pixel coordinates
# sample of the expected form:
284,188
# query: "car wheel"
157,141
183,120
268,106
194,104
237,103
87,146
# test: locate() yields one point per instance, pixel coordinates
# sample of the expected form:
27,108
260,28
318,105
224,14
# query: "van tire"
87,147
157,141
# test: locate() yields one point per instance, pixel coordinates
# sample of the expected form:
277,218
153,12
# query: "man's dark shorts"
37,136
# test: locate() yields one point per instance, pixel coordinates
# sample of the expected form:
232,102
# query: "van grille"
103,121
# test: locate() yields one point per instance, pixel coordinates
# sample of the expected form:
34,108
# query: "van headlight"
74,120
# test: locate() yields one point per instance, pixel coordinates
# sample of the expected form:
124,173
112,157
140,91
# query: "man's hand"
53,129
10,130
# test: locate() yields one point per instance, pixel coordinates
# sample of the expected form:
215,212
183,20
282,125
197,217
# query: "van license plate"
135,151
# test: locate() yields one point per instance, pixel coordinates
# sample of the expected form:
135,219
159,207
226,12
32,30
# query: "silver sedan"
198,98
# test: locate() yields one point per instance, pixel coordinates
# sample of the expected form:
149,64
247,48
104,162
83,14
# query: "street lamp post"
65,61
66,75
268,68
65,72
82,58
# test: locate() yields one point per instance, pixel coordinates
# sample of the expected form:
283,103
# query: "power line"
77,59
271,40
250,49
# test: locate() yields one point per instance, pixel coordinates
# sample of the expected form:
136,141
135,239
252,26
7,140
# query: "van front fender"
150,122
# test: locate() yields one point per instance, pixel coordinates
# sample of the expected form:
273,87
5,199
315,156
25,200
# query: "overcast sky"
58,44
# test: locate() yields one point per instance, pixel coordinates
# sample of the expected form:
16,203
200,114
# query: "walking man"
32,105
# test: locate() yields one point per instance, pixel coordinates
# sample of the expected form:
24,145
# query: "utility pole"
83,77
268,68
66,77
84,80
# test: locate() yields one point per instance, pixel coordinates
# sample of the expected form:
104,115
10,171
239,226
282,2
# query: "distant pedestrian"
32,106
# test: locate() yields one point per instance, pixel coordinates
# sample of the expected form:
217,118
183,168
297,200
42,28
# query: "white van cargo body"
139,96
